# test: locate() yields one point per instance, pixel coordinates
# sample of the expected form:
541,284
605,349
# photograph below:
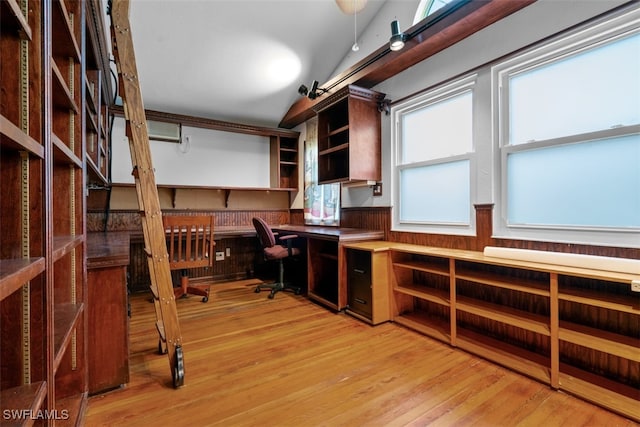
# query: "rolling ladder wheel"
178,368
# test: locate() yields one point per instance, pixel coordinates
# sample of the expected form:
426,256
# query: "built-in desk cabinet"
349,136
107,310
576,329
326,259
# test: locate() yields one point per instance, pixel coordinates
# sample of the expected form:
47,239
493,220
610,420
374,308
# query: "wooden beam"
428,37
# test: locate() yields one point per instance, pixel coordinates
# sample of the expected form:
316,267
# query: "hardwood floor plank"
252,361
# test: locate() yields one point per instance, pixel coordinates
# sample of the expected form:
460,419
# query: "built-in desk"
326,259
107,307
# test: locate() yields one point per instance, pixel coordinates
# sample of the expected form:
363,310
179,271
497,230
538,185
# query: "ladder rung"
134,172
148,252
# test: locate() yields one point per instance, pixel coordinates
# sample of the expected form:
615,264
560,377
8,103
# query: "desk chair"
190,245
273,252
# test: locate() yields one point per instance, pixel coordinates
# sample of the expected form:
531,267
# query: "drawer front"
359,282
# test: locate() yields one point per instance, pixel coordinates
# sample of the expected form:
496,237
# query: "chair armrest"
288,239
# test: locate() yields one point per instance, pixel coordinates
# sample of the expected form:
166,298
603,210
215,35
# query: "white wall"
215,158
531,24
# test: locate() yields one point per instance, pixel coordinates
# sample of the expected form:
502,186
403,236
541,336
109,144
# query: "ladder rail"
149,203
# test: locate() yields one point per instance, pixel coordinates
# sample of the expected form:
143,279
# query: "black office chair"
273,252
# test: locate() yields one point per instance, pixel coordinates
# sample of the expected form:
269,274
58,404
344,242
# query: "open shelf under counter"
526,362
437,296
424,323
604,341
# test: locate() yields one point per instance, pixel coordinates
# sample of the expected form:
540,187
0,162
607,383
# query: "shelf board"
316,297
16,272
510,356
329,256
75,407
62,154
434,295
61,94
425,324
289,150
610,302
92,125
612,395
13,18
332,150
338,130
522,285
510,316
62,245
93,170
65,319
92,105
603,341
65,43
288,164
16,138
28,397
423,266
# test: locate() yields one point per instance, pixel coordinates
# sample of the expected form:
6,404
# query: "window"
569,136
428,7
433,160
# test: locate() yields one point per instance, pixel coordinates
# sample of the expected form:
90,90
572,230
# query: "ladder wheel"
178,369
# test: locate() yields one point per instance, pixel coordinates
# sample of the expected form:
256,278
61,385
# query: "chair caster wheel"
297,292
257,290
271,295
178,368
205,299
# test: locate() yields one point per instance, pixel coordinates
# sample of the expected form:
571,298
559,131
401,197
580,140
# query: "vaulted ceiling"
239,60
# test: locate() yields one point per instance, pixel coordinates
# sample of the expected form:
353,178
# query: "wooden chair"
190,245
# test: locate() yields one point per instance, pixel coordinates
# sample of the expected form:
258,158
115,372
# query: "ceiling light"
349,6
396,42
355,46
313,92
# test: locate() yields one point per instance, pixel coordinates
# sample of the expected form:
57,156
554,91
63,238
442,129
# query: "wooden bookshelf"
42,209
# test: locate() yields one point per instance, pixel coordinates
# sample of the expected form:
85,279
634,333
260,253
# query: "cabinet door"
359,282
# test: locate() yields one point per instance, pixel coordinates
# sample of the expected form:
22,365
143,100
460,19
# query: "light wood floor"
289,362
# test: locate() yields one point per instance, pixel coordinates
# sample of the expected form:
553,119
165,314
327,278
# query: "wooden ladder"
149,203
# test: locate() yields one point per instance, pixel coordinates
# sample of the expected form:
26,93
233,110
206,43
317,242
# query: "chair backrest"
189,241
265,235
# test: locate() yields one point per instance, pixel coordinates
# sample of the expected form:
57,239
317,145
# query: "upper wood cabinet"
349,136
284,162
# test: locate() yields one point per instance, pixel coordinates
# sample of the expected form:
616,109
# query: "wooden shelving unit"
576,329
349,136
284,162
42,214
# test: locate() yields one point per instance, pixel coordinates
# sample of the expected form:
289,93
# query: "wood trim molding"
428,37
204,123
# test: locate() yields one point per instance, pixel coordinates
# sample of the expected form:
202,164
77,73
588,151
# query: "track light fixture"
313,92
396,42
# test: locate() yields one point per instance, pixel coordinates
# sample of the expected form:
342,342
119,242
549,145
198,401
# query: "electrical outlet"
635,286
219,256
228,251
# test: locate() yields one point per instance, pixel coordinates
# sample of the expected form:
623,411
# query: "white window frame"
433,96
588,37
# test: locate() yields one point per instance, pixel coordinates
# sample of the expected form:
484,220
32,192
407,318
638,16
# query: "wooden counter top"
107,249
341,234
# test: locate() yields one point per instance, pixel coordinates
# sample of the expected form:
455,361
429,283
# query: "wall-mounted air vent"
162,131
